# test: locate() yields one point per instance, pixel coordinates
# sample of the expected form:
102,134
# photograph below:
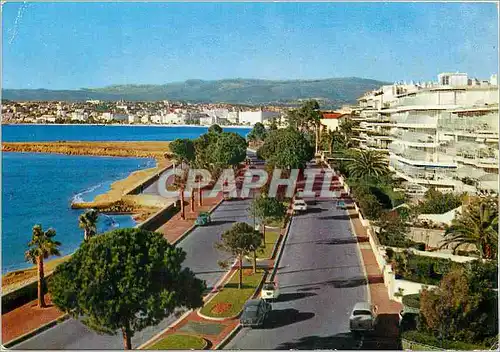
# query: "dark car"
254,313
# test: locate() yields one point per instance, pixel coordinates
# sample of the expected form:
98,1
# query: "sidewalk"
29,317
388,311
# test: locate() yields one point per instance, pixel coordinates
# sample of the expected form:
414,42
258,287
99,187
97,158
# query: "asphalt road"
201,257
320,279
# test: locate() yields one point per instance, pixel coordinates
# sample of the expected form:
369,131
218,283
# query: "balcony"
416,121
424,176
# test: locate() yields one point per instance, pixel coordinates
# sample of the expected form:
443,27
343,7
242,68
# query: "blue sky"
75,45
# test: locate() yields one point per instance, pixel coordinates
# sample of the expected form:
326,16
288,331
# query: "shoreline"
112,195
123,125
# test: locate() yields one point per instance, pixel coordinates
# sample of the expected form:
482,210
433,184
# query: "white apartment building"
107,116
79,115
133,119
443,134
233,117
252,117
173,119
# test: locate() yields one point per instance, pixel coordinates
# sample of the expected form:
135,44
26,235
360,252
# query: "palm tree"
478,225
366,163
88,222
180,183
41,246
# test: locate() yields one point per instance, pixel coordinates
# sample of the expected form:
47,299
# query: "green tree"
392,231
436,202
126,279
258,133
457,310
41,246
266,209
240,240
287,148
273,125
230,149
478,225
310,118
215,129
88,222
180,182
183,150
366,163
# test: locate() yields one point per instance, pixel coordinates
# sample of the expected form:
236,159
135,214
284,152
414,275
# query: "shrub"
430,340
436,202
420,246
392,231
425,270
459,309
412,301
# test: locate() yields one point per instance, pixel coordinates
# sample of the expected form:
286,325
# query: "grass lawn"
230,300
275,223
180,342
271,238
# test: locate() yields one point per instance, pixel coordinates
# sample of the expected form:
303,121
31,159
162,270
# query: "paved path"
320,278
201,258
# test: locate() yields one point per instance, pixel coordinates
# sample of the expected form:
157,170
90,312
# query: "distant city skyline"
90,45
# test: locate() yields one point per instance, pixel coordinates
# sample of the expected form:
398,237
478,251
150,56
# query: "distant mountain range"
330,92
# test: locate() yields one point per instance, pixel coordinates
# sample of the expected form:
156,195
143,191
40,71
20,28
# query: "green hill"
331,92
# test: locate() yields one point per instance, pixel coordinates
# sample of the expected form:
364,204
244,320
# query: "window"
361,312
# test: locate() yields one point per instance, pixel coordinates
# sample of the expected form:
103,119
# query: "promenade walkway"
388,311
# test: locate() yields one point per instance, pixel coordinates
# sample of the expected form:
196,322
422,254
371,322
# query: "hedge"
427,270
431,340
412,301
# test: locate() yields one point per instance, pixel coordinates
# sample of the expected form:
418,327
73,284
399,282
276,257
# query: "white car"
299,205
270,291
300,193
363,317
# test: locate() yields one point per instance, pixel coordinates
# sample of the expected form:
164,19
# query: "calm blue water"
38,133
39,188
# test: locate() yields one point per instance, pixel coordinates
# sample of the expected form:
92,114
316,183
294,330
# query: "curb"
157,336
358,249
281,249
189,230
257,289
228,338
36,331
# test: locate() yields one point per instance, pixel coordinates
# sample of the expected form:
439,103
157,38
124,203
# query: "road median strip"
228,303
179,341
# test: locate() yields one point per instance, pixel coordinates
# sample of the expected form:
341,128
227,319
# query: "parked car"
203,219
270,291
254,313
299,205
300,193
363,317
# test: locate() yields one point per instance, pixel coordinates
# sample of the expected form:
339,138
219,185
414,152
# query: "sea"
38,188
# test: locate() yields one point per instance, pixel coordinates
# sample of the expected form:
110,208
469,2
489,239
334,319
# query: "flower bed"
232,297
